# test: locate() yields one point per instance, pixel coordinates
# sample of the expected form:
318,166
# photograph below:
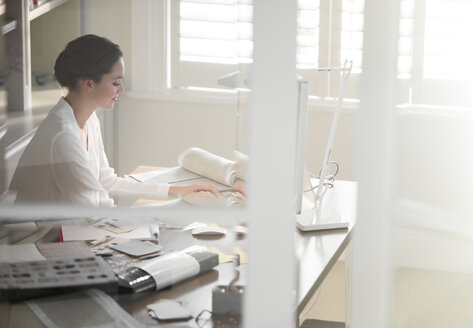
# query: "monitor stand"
322,216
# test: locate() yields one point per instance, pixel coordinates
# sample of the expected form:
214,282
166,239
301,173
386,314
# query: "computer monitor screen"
301,142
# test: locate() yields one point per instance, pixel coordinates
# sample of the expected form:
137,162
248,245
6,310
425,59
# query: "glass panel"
432,281
62,174
3,66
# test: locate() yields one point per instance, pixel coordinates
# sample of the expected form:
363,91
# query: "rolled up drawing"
241,164
208,165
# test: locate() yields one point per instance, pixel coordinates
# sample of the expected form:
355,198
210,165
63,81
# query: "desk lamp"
321,217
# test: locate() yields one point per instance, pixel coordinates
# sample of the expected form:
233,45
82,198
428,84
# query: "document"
19,253
75,232
91,308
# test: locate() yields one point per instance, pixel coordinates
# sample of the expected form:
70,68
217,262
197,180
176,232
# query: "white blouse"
56,167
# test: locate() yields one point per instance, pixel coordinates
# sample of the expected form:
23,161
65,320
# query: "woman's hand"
240,188
194,188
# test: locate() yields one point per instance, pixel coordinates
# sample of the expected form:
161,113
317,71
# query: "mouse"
209,230
240,230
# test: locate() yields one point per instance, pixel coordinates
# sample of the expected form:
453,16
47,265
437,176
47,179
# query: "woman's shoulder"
62,116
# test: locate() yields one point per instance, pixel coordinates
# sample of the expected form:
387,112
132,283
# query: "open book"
200,166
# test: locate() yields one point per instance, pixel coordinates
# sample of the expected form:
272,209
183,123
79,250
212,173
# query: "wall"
171,126
154,132
434,207
50,33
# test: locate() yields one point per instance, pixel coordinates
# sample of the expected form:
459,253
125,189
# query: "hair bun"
60,72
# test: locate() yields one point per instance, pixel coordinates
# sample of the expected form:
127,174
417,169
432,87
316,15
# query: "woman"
65,161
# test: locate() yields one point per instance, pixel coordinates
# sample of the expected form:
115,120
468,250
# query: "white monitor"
301,143
322,215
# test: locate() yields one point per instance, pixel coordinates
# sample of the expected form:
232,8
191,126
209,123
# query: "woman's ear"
87,84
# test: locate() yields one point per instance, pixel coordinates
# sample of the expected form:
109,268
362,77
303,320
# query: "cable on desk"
330,179
202,321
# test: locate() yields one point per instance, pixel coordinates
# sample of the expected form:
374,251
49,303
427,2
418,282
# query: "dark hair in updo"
89,56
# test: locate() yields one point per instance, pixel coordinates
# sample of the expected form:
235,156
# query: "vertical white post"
270,298
18,55
372,260
348,285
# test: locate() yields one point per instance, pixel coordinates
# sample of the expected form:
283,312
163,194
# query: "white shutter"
448,48
221,31
214,37
435,51
406,38
308,27
208,30
352,33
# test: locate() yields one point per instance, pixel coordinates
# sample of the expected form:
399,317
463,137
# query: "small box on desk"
227,302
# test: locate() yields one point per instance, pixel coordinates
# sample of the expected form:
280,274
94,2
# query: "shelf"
15,24
8,27
41,9
45,7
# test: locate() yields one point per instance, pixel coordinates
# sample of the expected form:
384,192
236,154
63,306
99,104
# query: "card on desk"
137,248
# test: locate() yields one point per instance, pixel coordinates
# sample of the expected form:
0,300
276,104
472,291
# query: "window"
211,38
435,51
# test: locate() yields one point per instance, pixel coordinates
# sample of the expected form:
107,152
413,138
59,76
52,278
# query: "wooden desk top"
196,292
317,253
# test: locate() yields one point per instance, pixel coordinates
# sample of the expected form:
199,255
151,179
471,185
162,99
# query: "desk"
317,252
195,292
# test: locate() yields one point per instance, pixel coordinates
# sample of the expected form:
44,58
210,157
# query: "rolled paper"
241,164
208,165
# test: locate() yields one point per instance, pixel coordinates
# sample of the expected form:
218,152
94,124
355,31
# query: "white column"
372,258
272,122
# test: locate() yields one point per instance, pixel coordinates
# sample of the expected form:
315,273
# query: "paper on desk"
169,310
64,250
172,175
19,253
75,232
137,248
91,308
19,231
222,257
176,176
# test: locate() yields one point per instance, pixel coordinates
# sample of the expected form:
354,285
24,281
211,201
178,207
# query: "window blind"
221,31
352,33
208,30
434,51
406,39
448,42
217,35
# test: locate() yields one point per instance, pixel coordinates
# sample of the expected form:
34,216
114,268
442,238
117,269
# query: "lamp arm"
346,70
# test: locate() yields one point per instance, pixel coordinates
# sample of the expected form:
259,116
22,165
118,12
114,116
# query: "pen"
154,231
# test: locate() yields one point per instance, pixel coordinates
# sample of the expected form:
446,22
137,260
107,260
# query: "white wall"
50,33
168,127
152,132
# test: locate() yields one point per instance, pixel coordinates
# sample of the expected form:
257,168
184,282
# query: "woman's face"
106,92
